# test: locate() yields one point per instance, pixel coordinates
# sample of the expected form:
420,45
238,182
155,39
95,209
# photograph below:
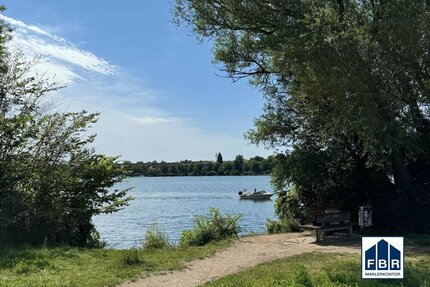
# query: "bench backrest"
333,218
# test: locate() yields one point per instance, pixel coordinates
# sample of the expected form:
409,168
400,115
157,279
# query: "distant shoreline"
239,166
229,175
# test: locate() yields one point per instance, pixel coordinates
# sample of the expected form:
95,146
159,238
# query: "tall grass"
156,238
132,257
214,227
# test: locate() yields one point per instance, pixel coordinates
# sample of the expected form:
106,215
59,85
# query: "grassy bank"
323,270
65,266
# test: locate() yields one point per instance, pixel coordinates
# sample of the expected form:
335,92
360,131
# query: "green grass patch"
323,270
66,266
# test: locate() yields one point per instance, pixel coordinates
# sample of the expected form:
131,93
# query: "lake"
172,202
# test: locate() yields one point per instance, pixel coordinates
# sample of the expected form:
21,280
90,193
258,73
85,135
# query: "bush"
282,226
156,238
52,183
289,205
211,228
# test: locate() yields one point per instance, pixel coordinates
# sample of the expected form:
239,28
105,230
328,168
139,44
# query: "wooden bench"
331,222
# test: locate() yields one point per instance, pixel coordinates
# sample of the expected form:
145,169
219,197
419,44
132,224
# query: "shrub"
156,238
284,225
211,228
52,183
289,205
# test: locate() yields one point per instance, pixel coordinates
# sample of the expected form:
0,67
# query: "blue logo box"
382,257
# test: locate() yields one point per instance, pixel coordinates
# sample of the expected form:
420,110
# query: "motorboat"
255,195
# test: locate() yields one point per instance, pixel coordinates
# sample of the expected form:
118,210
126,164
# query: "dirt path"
243,254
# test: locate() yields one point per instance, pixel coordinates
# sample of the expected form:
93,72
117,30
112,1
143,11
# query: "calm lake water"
172,202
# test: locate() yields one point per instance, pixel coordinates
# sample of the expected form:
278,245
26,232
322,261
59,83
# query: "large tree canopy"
347,89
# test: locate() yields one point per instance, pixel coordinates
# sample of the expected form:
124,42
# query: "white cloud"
145,120
65,61
58,73
22,25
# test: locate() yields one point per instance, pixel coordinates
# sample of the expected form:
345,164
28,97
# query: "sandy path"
243,254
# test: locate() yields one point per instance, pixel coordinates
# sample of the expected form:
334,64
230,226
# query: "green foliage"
288,206
323,270
284,225
238,163
51,181
240,166
346,96
210,228
156,238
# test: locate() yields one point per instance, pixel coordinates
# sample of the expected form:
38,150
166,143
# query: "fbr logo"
382,257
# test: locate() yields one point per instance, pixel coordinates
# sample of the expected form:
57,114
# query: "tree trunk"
404,185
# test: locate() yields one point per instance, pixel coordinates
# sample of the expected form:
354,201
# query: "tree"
197,168
255,167
164,170
345,83
238,164
173,170
52,182
182,169
227,168
218,158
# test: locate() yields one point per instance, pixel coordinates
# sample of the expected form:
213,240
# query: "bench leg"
318,235
350,231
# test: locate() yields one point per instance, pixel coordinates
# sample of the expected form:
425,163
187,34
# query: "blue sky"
155,86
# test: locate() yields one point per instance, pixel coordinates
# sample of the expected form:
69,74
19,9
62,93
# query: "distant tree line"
239,166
